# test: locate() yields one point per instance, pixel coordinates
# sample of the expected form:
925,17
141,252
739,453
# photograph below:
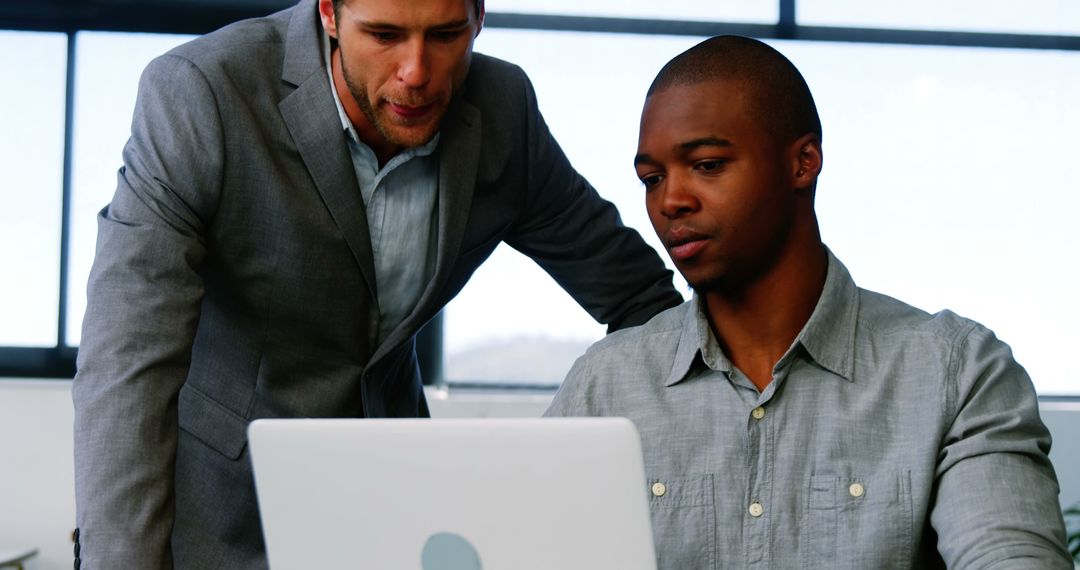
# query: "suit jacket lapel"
312,119
459,157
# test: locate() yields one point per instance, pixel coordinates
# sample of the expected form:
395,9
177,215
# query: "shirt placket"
757,517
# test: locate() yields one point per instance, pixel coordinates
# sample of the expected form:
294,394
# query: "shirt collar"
423,150
828,336
696,342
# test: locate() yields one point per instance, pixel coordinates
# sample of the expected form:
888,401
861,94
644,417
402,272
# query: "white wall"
37,485
36,482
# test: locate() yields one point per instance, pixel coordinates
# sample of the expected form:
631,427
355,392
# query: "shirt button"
758,413
659,489
856,490
756,510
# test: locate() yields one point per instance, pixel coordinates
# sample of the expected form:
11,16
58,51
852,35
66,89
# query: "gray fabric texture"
888,438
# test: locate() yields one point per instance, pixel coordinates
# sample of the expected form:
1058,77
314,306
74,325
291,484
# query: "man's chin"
409,137
408,134
413,141
704,283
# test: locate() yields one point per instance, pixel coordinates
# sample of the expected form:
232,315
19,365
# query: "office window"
946,184
999,16
512,323
107,70
742,11
31,178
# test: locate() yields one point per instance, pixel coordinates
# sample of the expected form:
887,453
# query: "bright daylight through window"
946,180
31,175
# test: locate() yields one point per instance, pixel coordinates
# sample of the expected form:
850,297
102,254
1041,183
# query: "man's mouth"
410,112
682,243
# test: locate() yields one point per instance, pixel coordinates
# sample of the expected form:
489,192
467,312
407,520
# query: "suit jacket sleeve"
996,494
579,239
143,304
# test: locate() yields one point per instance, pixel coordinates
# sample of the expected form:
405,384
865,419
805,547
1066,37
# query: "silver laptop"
482,494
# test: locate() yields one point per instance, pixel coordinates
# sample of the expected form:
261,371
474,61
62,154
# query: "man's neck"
756,325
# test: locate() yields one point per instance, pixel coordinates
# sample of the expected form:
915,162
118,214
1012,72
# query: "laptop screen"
427,494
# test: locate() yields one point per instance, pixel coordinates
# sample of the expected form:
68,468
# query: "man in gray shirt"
789,418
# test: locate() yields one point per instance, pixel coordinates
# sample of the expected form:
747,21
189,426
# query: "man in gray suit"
300,194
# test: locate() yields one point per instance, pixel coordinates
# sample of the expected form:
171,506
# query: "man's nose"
677,198
414,70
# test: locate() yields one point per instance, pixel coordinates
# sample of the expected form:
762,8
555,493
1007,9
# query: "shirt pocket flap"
846,492
674,492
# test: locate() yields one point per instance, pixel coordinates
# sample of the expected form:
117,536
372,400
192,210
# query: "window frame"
202,16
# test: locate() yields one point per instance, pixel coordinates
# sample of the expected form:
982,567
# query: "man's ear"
807,161
329,19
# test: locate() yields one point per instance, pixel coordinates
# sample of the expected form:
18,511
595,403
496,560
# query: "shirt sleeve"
144,293
996,492
570,400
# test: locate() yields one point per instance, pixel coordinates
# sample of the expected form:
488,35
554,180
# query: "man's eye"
710,165
446,37
384,37
651,180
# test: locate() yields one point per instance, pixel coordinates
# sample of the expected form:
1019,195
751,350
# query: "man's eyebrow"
379,25
643,158
455,25
689,145
704,141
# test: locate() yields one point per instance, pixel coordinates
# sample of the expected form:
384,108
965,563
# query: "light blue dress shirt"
888,438
400,201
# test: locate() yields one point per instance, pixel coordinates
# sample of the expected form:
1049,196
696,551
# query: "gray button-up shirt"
883,427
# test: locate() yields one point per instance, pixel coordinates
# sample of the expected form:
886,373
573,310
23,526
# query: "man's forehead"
693,110
728,90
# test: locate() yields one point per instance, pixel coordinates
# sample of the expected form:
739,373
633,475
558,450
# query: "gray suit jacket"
234,279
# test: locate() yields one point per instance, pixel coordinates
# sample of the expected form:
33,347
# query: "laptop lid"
454,494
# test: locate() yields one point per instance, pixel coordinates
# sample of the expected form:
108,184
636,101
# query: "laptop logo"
449,551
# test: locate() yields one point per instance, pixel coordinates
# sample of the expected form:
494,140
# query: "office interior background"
949,182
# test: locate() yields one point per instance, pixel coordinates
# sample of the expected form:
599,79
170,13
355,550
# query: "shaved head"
779,98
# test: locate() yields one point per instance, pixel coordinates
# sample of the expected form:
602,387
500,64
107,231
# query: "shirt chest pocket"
860,522
683,522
